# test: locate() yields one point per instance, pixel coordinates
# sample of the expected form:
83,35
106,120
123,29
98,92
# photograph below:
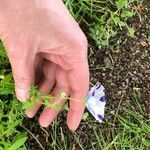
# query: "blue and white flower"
96,101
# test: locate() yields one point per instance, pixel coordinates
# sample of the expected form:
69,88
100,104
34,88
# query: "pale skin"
46,47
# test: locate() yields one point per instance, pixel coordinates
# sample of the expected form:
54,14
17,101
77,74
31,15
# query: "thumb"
23,74
24,78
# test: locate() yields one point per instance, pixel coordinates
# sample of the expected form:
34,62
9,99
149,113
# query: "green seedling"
47,100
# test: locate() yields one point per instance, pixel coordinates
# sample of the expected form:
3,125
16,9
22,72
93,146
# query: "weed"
103,19
11,113
47,100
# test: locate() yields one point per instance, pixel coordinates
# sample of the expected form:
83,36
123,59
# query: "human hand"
46,47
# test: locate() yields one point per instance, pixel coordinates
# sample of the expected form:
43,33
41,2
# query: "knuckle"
19,51
79,46
76,51
80,43
15,43
13,48
21,80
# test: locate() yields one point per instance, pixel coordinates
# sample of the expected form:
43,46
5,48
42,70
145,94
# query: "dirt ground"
122,67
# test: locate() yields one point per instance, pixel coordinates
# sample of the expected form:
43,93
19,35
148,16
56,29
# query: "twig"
47,134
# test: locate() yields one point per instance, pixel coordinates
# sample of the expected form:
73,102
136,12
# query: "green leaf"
126,14
121,4
66,107
6,85
85,116
117,21
121,24
12,126
28,105
131,32
18,143
47,103
56,107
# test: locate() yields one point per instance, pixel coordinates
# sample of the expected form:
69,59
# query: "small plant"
103,18
11,112
11,116
47,100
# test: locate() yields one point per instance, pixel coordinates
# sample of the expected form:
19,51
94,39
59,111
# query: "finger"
45,86
57,59
49,114
23,74
45,89
39,63
77,96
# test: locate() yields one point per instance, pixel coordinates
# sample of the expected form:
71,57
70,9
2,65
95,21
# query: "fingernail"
22,95
43,123
29,114
73,119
